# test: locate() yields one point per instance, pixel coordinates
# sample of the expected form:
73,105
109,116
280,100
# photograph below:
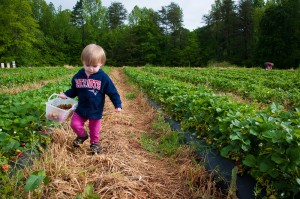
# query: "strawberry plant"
23,125
264,142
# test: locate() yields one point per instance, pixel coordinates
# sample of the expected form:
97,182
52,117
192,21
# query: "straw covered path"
123,169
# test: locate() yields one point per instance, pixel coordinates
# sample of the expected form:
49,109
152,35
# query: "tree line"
244,32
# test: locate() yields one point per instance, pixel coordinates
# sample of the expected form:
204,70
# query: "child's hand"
118,109
62,95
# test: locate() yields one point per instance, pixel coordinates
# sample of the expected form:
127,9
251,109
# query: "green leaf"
89,189
265,165
293,154
11,145
272,172
33,182
250,161
268,134
236,123
234,137
298,181
35,179
224,151
276,158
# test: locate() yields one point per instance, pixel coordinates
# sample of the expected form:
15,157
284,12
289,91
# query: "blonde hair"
93,54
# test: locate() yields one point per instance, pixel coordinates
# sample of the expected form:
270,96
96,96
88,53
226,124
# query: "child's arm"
113,94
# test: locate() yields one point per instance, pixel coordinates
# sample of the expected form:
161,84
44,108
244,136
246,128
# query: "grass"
130,95
162,140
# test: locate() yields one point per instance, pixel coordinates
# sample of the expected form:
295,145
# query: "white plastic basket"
57,114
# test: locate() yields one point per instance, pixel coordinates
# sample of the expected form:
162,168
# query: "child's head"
93,57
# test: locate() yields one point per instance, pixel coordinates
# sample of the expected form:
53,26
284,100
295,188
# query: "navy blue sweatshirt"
91,93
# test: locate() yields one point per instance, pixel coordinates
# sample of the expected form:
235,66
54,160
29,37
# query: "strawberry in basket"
65,106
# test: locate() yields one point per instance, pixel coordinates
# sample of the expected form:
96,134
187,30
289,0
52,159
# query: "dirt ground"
123,169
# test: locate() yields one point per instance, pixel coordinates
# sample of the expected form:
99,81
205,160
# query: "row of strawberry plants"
13,77
22,120
23,128
253,88
284,79
22,115
265,142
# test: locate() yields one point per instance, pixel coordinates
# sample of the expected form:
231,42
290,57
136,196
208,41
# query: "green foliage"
19,32
130,95
22,117
88,193
262,86
280,39
10,185
162,141
116,15
266,141
35,179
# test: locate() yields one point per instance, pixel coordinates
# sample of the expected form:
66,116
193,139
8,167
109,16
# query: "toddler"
90,84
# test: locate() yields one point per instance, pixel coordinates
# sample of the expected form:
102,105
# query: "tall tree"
258,12
45,15
19,32
277,40
245,28
94,14
135,16
207,45
293,8
228,37
164,23
147,34
117,14
171,18
174,16
78,20
215,23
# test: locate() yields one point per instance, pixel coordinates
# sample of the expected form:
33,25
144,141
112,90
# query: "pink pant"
77,124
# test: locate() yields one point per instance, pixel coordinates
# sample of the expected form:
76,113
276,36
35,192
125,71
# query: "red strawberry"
20,154
13,159
5,167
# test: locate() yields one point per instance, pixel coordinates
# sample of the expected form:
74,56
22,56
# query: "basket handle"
54,94
57,96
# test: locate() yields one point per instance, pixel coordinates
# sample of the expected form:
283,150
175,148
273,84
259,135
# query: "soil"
123,169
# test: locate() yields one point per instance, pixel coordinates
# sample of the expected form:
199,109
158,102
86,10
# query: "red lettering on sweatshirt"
88,83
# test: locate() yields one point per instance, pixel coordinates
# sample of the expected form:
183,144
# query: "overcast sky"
193,10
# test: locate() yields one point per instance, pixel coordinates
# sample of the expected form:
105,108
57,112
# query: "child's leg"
94,126
77,124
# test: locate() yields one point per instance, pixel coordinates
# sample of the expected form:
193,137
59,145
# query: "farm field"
124,169
238,111
251,116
